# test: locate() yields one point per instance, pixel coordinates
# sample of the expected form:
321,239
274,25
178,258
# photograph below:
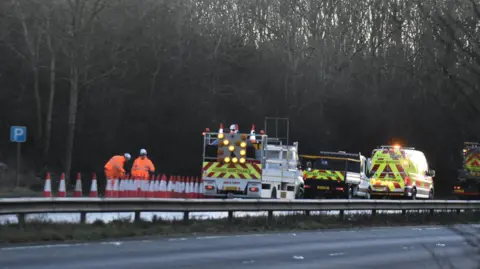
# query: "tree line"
93,78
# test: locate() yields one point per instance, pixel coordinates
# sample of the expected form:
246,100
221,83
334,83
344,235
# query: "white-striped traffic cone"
47,188
78,186
93,186
62,192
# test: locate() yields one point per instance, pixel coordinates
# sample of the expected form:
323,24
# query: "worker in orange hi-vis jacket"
115,166
142,166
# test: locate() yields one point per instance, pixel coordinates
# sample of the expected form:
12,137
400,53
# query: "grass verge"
51,232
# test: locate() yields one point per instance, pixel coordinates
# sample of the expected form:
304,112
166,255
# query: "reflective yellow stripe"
323,174
237,171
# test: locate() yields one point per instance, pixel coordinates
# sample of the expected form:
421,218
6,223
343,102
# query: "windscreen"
329,164
353,166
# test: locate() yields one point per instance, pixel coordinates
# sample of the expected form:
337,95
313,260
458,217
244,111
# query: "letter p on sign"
18,134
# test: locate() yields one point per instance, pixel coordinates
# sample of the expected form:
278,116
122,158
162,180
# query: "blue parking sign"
18,134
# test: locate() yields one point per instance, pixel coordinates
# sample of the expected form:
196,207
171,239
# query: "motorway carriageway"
370,248
107,217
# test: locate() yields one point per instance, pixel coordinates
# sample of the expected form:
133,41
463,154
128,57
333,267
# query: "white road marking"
112,243
440,245
244,235
336,254
177,239
410,247
211,237
248,262
433,228
416,229
298,257
43,246
294,234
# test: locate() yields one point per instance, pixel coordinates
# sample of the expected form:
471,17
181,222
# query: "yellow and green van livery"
400,171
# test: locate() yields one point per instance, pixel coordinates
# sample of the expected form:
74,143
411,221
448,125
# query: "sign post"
18,134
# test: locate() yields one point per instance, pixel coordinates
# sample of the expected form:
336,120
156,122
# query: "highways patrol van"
402,172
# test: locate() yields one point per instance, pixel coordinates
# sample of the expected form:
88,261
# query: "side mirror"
431,173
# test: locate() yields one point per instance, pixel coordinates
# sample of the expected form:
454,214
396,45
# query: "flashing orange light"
226,142
242,160
234,160
231,148
227,159
243,144
396,146
221,136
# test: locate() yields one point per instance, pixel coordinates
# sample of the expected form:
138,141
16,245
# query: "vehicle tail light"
253,189
209,187
306,186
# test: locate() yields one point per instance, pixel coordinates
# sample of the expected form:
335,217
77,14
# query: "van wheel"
431,195
300,193
368,195
414,194
274,194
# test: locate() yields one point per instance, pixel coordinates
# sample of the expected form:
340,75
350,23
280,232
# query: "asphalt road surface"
392,248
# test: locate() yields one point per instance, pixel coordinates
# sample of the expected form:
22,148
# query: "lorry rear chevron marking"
391,171
231,170
324,174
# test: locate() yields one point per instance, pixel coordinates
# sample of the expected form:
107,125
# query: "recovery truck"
335,174
467,185
243,165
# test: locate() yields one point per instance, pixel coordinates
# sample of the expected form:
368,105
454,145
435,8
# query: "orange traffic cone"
156,187
139,184
132,189
151,189
108,187
116,186
47,188
78,186
195,189
192,188
162,188
200,189
62,192
171,187
252,134
186,193
179,187
94,187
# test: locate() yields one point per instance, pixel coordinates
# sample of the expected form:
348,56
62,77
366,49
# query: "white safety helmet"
127,156
232,127
143,152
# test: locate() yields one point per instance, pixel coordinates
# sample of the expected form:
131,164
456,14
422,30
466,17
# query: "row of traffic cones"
175,187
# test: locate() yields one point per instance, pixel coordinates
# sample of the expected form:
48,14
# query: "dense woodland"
93,78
